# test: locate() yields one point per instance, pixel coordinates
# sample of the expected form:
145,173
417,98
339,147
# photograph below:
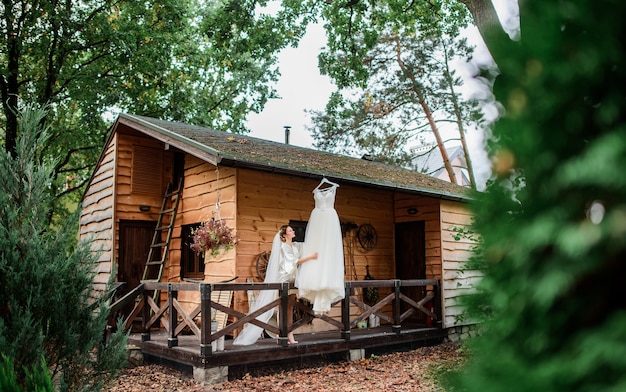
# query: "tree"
410,88
46,278
209,63
465,112
486,20
353,27
552,218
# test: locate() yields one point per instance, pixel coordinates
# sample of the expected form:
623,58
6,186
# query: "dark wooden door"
411,260
135,241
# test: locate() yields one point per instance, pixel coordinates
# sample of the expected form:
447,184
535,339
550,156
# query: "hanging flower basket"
212,237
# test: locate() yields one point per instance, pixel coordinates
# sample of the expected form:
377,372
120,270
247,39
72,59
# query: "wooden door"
135,241
411,260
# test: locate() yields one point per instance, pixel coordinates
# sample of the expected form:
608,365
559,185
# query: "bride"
282,267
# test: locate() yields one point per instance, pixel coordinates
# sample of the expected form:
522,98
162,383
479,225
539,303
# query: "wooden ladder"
159,249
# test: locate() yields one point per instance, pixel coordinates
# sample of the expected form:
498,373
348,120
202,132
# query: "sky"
301,88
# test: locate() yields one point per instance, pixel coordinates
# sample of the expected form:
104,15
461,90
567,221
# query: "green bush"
47,307
36,381
553,218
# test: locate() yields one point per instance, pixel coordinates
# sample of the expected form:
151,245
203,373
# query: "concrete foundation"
210,376
356,355
135,356
461,333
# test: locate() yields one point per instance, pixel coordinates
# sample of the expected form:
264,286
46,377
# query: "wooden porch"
170,334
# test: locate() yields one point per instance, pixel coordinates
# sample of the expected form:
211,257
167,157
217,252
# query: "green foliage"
8,380
467,234
403,87
207,63
553,217
46,278
37,380
353,28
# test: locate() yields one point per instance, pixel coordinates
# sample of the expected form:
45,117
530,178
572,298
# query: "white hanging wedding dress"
321,280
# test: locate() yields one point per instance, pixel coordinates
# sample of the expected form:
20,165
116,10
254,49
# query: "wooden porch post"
205,316
145,316
437,305
172,340
282,314
397,310
345,312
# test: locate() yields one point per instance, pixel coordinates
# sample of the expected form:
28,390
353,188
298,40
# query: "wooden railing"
174,319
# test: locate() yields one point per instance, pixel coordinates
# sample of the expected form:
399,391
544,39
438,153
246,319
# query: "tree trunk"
429,115
440,145
488,24
468,159
459,122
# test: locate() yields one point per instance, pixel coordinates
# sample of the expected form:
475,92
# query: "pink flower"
213,236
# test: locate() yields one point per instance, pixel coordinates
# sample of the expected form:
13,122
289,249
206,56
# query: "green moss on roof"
242,150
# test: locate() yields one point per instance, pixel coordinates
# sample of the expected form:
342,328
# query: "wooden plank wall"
127,204
427,211
202,187
97,214
445,257
456,280
266,201
257,203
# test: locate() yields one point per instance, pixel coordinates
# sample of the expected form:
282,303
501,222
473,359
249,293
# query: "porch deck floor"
267,351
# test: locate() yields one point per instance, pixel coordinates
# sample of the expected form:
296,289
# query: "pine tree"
46,305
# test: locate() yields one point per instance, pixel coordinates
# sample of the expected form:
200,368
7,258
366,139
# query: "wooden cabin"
397,223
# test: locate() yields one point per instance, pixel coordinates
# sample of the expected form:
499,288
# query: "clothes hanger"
325,181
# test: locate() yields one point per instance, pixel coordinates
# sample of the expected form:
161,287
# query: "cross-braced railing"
394,307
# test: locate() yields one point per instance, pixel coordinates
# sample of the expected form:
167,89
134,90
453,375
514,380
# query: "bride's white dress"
321,280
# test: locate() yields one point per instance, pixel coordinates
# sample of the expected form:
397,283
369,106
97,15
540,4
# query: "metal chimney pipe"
287,129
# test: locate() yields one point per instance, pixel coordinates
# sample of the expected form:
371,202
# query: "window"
300,228
191,263
146,171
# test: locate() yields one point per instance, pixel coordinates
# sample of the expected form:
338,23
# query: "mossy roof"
237,150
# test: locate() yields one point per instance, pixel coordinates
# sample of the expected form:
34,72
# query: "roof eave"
183,143
231,162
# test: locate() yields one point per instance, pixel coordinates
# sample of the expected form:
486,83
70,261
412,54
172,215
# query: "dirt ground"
415,370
